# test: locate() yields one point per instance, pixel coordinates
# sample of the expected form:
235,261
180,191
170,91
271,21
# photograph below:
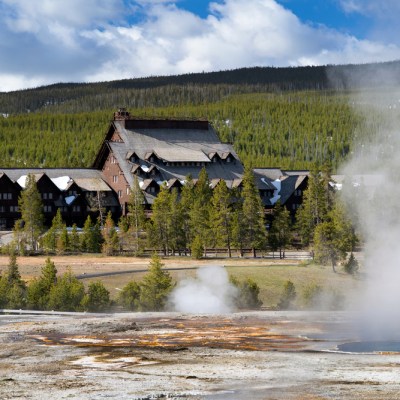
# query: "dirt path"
97,264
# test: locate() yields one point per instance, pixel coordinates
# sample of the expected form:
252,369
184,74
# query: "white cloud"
93,40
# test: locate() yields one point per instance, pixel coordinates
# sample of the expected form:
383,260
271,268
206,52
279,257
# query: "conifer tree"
255,233
16,288
221,216
74,242
185,207
136,209
110,236
155,287
279,234
97,298
199,212
39,289
31,208
317,202
129,296
161,220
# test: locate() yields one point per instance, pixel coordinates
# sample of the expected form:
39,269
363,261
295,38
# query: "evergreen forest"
275,117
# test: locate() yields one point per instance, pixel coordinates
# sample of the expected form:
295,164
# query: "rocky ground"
259,355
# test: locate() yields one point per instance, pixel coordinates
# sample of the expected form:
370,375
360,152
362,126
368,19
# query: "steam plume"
372,192
210,292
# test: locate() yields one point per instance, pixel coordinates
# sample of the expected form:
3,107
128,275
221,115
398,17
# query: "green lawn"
271,280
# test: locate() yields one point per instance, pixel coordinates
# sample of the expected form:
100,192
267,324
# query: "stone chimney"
121,115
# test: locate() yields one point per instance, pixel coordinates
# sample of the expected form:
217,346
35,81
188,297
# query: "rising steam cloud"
372,191
210,292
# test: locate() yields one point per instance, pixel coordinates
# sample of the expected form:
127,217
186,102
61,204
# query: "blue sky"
49,41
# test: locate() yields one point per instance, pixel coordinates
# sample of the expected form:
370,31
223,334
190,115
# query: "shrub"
351,265
288,296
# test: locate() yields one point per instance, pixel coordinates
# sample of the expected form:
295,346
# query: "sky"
51,41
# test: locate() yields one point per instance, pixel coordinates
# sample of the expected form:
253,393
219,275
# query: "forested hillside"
286,117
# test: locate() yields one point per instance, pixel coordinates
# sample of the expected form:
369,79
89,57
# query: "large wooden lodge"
157,151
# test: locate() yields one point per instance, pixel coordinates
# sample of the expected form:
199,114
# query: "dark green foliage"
129,296
197,248
97,298
74,242
12,287
67,294
31,208
155,287
279,235
199,214
110,237
317,127
312,296
351,265
248,294
136,220
288,296
91,238
254,230
221,216
39,289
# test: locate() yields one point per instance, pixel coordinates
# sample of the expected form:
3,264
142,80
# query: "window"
113,160
119,193
128,190
44,196
76,208
115,178
2,209
297,192
14,209
152,189
47,209
50,196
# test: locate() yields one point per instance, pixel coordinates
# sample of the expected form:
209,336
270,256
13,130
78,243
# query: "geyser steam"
372,180
210,292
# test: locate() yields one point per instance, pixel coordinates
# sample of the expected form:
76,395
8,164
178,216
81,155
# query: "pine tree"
161,221
129,296
31,208
279,234
137,217
199,212
185,207
317,202
74,241
110,237
155,287
253,214
221,216
39,289
97,298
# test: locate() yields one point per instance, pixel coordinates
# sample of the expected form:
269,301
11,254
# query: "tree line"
196,219
291,130
51,291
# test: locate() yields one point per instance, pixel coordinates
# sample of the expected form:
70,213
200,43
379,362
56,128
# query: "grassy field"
269,274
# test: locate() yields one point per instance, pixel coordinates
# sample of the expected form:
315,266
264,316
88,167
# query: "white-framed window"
44,196
119,193
50,196
128,190
14,209
2,209
115,178
47,208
